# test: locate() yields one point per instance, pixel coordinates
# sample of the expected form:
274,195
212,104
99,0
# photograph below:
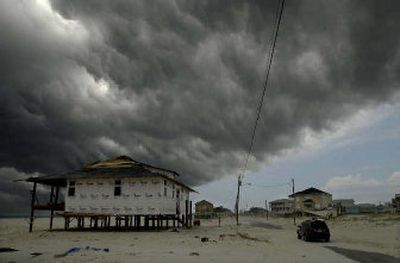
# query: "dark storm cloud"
176,83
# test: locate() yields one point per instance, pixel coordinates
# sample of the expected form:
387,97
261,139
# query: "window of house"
117,188
165,191
173,191
177,193
71,188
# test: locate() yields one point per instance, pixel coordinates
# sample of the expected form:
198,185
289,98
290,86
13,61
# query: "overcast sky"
176,83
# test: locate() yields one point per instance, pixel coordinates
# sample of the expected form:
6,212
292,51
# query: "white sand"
375,234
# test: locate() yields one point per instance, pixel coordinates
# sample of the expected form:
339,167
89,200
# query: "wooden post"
190,214
66,223
32,207
51,207
294,203
186,212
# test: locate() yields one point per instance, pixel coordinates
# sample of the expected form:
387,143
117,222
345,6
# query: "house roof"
122,166
310,190
285,200
203,202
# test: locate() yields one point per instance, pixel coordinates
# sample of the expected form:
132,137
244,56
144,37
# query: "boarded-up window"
71,188
117,188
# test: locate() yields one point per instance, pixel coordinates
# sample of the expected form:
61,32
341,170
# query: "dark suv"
313,230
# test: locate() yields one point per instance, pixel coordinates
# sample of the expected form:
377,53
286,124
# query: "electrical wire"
266,81
277,23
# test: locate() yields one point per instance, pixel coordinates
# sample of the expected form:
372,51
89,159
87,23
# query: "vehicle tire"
327,239
298,236
305,238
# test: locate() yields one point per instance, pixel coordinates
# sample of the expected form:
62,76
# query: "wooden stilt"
186,212
32,207
190,214
51,207
53,204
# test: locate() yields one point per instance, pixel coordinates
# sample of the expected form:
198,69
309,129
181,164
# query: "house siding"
143,196
320,201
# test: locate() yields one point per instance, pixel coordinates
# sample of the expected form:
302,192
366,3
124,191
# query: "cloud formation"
364,189
175,83
352,181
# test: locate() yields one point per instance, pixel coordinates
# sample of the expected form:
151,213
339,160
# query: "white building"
122,188
281,206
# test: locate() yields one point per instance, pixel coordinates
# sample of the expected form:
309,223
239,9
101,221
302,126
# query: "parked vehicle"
313,230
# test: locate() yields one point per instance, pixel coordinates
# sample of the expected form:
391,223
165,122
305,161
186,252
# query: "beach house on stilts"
119,193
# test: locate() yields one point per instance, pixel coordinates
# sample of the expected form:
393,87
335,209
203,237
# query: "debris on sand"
243,236
35,254
98,249
246,236
194,254
69,251
7,249
204,239
223,236
77,249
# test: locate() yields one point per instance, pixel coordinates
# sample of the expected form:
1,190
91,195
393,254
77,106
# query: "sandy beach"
255,240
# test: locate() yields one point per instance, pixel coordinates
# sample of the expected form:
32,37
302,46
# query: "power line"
270,186
277,24
268,70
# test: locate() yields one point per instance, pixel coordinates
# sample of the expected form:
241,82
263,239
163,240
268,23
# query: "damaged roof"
310,190
122,166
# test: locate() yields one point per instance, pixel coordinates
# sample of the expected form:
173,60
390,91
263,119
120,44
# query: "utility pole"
266,207
237,199
294,203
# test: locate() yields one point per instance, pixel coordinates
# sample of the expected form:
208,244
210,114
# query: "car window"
318,224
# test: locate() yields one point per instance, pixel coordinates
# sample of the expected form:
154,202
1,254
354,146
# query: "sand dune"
255,240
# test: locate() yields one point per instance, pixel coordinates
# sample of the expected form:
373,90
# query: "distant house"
384,208
345,206
281,206
343,202
367,208
204,209
222,211
311,199
256,211
396,203
133,193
